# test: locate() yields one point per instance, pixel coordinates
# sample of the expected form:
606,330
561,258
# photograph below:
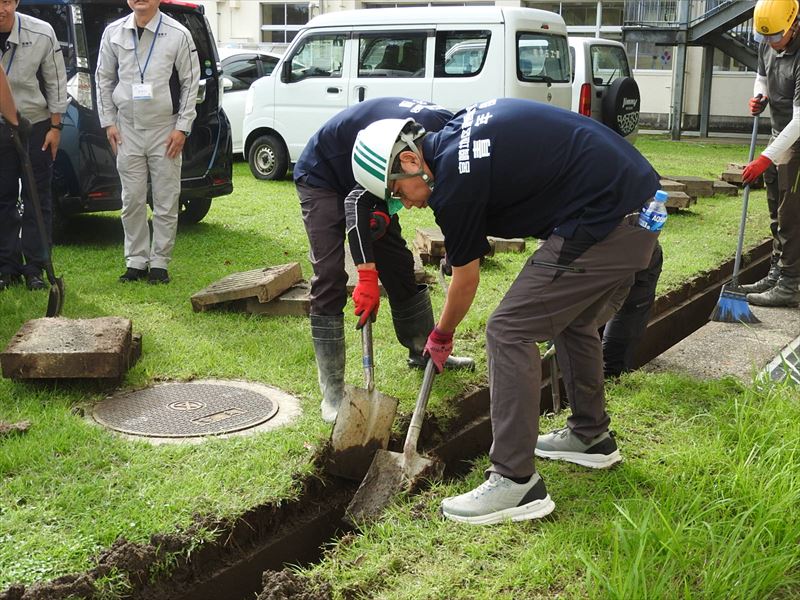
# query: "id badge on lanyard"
142,90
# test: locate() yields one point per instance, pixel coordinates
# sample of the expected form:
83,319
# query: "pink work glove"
753,170
366,296
438,347
758,104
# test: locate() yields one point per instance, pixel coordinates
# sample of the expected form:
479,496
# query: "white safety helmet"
375,151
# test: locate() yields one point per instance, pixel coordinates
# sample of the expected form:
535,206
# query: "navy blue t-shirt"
325,161
517,168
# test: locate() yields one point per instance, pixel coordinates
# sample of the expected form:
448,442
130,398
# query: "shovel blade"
362,427
55,302
389,474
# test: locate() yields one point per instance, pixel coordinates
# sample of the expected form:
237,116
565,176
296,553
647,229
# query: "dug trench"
249,554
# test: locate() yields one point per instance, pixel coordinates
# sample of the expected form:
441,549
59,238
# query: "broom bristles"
732,307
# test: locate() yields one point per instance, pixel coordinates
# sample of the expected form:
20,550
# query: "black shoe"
34,282
157,276
7,280
132,274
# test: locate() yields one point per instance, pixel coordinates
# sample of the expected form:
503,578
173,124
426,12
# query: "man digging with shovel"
515,168
324,180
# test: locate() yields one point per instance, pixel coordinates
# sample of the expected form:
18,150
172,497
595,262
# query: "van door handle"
334,90
361,93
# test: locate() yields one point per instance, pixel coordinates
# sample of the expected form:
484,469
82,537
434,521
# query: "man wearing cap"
147,81
516,168
34,67
775,23
332,205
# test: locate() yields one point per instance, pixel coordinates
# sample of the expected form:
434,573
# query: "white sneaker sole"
532,510
593,461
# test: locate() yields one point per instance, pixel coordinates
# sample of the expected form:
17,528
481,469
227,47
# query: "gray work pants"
786,211
143,152
566,306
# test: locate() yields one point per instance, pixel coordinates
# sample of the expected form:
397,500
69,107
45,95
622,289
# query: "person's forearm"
462,291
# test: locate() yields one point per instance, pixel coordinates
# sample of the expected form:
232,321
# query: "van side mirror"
227,84
286,72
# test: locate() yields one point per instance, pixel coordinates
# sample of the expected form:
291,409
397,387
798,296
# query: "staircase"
723,24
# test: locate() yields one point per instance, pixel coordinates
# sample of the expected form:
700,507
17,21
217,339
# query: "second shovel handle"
366,355
415,426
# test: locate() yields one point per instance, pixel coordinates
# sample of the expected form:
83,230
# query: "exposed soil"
283,585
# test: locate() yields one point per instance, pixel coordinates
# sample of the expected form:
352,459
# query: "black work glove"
378,224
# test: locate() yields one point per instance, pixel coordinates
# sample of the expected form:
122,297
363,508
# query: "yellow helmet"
773,18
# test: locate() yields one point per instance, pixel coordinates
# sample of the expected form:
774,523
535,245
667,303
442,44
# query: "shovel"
392,472
55,302
363,423
555,391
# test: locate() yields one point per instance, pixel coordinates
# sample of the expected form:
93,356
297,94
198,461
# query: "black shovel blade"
55,301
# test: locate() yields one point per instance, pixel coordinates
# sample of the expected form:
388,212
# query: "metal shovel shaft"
414,428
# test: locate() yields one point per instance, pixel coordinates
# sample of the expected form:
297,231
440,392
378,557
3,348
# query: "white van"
602,85
451,56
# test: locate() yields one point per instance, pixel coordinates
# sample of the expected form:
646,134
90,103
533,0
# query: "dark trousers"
786,211
568,307
25,254
625,329
324,221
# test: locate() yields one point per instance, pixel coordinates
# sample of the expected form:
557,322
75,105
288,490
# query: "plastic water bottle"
654,215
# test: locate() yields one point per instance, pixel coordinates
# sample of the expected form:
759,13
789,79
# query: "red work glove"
378,224
366,296
438,347
758,104
753,170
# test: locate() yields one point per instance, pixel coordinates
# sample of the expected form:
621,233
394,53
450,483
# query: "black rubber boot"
785,293
413,321
766,283
327,333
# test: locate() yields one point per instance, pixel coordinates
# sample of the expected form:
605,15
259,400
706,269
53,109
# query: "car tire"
621,105
268,158
193,210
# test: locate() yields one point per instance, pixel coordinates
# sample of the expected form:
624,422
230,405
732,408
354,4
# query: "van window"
542,57
460,53
392,55
318,56
608,63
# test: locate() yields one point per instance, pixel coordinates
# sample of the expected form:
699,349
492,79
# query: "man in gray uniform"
34,66
147,82
778,84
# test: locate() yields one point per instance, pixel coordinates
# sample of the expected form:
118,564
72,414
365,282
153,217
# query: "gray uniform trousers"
143,151
783,200
568,307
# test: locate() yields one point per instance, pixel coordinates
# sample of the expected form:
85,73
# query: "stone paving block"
56,348
679,200
699,187
670,186
723,188
430,241
294,302
506,244
265,284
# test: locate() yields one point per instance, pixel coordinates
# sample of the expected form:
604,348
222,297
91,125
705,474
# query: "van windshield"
542,57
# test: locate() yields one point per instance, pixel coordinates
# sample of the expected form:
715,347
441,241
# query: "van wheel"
621,105
268,158
193,210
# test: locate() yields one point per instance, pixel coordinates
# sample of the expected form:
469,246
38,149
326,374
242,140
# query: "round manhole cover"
193,409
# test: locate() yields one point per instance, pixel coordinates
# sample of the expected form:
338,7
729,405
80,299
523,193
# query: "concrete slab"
264,284
56,348
720,349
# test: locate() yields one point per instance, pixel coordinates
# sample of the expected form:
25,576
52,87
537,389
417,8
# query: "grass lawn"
68,488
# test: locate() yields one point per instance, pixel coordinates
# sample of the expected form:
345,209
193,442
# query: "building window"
281,22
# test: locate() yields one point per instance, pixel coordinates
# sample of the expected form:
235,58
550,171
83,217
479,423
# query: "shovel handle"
366,355
414,428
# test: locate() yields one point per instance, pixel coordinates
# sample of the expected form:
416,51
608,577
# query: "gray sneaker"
500,499
562,444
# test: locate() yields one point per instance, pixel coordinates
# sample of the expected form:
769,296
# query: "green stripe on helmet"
370,153
362,162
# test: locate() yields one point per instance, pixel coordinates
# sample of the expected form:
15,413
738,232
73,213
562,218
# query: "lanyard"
14,51
149,54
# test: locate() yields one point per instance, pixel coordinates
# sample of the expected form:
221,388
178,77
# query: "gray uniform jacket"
118,70
33,63
782,70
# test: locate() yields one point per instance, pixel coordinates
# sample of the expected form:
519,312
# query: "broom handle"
745,197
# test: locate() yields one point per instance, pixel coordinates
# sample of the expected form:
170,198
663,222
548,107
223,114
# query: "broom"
732,305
